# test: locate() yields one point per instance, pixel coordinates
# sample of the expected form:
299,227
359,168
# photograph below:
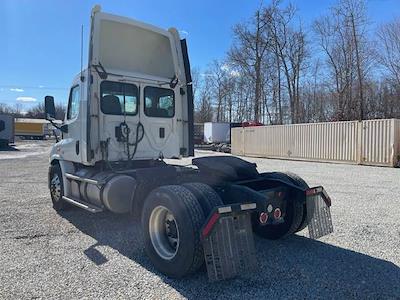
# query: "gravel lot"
80,255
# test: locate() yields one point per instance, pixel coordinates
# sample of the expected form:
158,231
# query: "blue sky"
40,40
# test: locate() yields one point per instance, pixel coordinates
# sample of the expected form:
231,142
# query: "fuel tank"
114,191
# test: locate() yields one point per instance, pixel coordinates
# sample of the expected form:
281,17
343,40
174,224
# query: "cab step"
86,206
70,176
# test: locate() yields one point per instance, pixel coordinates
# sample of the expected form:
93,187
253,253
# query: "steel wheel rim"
55,187
164,232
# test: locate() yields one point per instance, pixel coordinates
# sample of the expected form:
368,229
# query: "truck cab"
134,100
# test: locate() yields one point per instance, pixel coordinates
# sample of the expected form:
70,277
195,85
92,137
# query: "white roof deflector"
124,46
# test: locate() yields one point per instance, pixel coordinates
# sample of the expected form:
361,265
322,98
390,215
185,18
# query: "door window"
159,102
73,103
118,98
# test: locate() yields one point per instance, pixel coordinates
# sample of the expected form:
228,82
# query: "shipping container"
371,142
32,128
6,129
215,132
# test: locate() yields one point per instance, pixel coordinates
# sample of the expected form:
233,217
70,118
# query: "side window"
118,98
159,102
73,103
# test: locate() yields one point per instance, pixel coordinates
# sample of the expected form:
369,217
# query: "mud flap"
318,212
228,242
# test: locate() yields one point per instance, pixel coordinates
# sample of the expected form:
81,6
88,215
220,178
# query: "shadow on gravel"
8,148
296,267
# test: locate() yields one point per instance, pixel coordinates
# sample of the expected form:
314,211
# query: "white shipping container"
6,129
371,142
217,132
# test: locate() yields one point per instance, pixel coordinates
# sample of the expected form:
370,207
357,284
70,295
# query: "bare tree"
289,47
389,37
342,37
204,111
248,53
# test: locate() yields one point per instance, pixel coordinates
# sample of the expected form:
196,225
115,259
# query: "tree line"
34,112
276,71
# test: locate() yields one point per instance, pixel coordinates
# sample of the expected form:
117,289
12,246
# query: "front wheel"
171,221
56,187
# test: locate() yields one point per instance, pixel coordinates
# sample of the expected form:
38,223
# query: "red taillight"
277,213
263,217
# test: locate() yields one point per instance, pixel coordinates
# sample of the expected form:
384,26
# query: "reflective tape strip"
224,209
248,206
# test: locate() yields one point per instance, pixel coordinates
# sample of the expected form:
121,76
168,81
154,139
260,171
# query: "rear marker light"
277,213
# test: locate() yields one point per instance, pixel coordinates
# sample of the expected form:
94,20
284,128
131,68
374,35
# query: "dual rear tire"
172,218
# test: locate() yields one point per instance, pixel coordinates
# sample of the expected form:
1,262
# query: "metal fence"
371,142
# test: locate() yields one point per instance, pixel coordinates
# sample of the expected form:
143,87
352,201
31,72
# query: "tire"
205,195
294,217
56,187
297,180
173,257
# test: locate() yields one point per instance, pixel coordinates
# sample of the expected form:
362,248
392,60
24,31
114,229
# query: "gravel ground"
80,255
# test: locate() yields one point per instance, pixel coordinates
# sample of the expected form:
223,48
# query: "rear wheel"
171,220
205,195
295,218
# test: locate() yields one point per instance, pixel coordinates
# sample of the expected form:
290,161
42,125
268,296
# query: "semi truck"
129,111
6,130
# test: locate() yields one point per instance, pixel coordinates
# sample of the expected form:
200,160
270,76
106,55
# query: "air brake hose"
126,131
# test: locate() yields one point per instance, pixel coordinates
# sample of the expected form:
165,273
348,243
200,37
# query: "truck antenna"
82,77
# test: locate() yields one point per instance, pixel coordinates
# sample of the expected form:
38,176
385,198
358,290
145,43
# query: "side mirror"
49,108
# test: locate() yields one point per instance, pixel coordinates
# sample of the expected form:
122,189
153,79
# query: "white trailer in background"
215,132
6,130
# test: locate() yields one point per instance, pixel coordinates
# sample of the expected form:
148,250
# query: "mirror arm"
52,123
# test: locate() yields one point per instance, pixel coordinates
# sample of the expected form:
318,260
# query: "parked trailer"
32,128
112,155
217,132
6,130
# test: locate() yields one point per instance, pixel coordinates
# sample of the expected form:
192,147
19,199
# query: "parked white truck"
131,109
6,130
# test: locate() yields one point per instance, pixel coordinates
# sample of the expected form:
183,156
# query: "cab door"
71,143
119,117
159,117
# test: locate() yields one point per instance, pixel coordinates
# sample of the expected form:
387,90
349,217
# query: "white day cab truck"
131,109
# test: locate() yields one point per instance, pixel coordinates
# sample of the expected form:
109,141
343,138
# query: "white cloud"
26,99
207,75
41,86
183,32
16,90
